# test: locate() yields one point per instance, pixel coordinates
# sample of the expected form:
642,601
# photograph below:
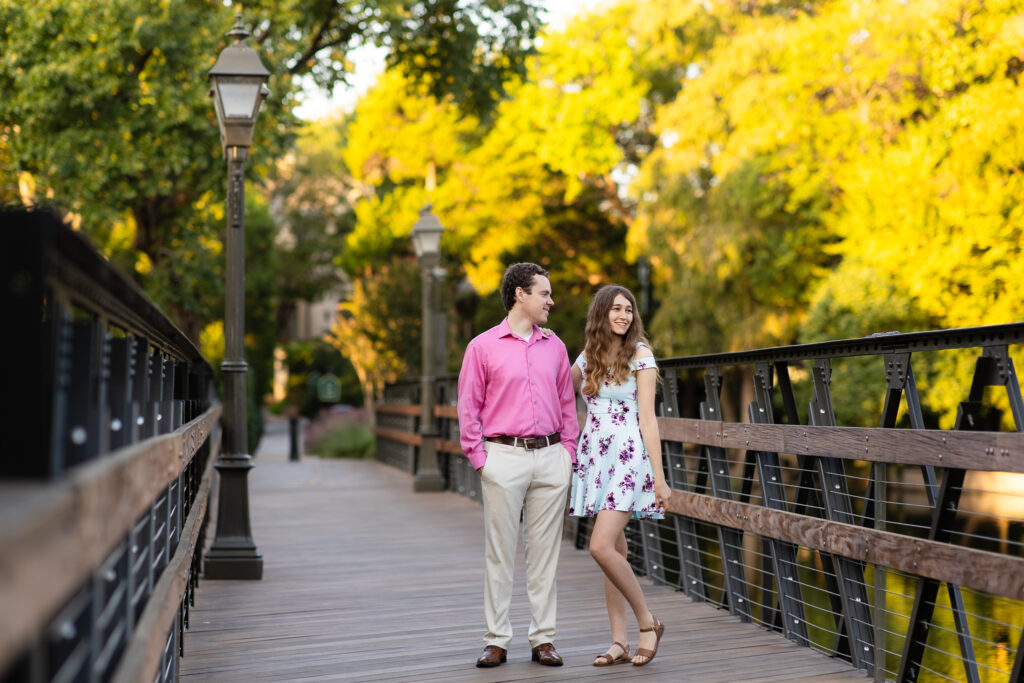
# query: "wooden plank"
144,653
395,593
398,435
451,412
392,409
985,451
54,535
958,565
453,447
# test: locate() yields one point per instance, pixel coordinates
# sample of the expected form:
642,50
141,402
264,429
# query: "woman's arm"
647,381
577,379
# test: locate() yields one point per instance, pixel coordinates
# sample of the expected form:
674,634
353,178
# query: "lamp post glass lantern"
426,235
238,87
426,239
238,84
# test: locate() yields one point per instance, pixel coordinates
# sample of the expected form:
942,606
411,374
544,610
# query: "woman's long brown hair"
608,354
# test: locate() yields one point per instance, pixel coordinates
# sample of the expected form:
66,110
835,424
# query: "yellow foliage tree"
377,329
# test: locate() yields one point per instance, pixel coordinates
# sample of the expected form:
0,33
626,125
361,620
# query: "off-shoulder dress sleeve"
643,363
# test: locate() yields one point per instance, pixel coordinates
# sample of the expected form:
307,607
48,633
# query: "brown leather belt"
530,443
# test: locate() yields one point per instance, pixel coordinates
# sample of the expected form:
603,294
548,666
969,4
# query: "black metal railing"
896,547
108,436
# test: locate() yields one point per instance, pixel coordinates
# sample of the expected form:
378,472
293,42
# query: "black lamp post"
238,86
426,238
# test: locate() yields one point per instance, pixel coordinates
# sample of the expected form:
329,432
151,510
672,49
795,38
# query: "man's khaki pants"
514,478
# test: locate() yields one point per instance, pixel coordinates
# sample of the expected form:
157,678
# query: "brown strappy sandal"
659,629
607,660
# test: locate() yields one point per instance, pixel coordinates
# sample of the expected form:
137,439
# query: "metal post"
440,324
783,555
233,553
293,438
729,540
428,476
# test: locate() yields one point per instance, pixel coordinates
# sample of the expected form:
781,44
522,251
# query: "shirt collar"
504,330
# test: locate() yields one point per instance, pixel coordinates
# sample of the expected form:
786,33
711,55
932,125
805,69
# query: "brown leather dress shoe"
546,654
492,656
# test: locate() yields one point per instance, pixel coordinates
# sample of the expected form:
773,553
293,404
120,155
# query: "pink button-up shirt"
511,387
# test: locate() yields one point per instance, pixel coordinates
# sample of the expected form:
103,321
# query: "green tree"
834,169
541,180
931,224
732,197
307,361
378,329
105,108
311,194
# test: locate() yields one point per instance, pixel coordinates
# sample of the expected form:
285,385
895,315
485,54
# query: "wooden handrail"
144,652
451,412
955,564
55,535
398,435
453,447
983,451
412,409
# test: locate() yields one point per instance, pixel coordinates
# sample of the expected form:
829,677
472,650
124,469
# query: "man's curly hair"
518,275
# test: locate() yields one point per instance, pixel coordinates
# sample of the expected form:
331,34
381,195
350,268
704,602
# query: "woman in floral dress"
619,473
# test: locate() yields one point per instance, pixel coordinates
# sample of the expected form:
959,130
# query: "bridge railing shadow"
897,548
109,434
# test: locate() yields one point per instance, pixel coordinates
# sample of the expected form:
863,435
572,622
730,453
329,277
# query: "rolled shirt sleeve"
567,400
472,390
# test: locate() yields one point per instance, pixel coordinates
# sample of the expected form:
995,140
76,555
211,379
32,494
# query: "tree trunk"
189,322
369,401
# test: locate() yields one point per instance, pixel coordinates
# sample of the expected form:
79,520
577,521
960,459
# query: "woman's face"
620,316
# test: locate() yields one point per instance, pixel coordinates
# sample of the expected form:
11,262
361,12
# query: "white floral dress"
614,472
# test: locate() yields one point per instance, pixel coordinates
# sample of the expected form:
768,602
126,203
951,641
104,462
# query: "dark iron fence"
109,433
896,547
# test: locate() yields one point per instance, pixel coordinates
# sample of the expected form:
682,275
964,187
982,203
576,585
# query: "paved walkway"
366,581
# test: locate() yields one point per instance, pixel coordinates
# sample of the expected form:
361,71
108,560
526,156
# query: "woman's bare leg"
616,601
609,528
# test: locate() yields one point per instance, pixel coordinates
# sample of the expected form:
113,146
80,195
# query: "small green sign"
328,389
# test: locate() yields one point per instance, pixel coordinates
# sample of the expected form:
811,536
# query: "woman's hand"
662,492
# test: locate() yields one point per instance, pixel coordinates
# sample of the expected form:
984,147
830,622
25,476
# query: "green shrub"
347,441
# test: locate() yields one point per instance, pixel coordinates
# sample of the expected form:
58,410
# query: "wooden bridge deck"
366,581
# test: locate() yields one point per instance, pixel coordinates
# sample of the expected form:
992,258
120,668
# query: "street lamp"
426,239
238,87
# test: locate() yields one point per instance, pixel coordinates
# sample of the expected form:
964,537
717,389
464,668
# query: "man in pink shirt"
517,416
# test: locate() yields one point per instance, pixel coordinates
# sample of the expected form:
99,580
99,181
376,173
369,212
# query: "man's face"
537,303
